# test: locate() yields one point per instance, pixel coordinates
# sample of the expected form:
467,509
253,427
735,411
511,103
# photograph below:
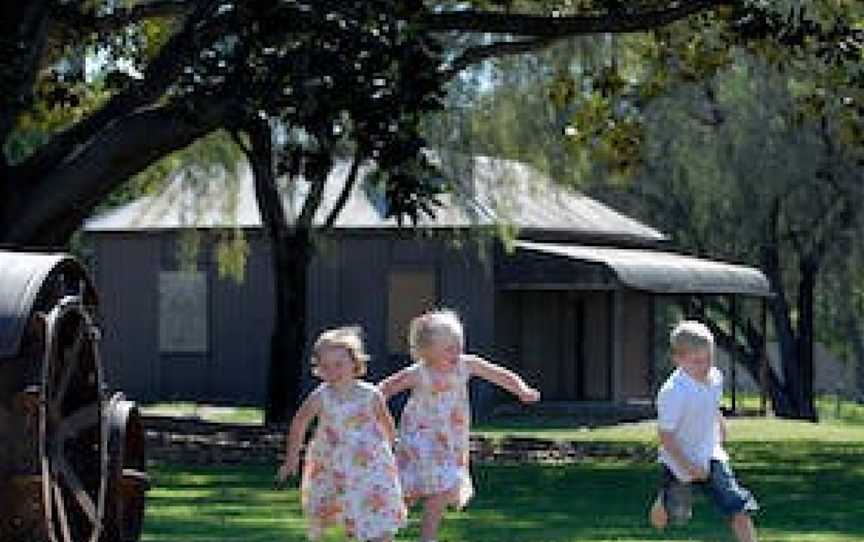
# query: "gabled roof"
489,192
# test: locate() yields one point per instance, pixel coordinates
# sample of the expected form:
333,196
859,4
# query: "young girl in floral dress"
349,472
433,447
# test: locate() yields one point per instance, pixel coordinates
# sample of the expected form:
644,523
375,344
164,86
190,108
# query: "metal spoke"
71,423
61,512
74,483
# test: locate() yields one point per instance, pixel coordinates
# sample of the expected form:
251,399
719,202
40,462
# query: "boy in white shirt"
692,431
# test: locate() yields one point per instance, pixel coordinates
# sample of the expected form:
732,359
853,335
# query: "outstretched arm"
384,418
502,377
397,382
307,411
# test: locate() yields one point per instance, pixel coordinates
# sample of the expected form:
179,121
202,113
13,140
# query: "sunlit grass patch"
210,413
808,478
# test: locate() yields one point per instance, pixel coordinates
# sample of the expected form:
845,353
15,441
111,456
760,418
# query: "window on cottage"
410,292
182,311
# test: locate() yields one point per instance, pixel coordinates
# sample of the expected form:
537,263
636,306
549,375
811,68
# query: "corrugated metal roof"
663,272
22,276
496,192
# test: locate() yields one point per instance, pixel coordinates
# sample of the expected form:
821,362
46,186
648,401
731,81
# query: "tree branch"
23,35
475,55
346,190
559,27
159,76
317,172
259,152
125,148
121,17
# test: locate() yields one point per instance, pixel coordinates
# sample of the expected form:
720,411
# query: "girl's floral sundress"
349,474
434,436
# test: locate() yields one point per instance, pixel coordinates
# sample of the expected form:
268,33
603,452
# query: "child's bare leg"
386,538
742,525
658,516
433,511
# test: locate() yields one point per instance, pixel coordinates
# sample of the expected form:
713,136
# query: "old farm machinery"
72,465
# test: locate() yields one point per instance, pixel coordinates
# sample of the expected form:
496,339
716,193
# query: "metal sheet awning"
661,272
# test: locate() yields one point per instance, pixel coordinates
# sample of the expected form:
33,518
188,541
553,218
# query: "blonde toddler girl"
433,448
349,473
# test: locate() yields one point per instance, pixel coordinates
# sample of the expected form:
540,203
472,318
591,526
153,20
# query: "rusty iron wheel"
128,481
72,430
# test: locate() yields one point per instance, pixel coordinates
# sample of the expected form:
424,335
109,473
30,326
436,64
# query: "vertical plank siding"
240,329
126,280
595,365
635,380
558,339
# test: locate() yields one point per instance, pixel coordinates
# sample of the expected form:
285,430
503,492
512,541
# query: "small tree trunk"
750,356
853,336
806,287
785,396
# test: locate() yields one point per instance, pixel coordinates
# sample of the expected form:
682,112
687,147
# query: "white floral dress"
433,448
349,474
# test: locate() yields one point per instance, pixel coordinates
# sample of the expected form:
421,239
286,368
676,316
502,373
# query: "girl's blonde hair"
348,337
431,325
692,335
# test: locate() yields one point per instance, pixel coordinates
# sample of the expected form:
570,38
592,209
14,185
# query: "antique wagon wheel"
72,433
128,481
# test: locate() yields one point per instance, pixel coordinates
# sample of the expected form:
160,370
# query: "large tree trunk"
290,249
290,264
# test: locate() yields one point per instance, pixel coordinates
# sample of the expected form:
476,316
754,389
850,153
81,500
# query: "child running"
349,472
692,430
433,446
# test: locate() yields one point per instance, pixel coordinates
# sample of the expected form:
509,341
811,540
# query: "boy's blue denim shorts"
728,496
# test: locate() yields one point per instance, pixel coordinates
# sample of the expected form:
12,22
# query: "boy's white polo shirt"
690,410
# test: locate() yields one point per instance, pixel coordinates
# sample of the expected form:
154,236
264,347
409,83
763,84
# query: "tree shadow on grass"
811,491
198,504
808,491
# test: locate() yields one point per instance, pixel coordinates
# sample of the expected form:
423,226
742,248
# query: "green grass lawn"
210,413
809,479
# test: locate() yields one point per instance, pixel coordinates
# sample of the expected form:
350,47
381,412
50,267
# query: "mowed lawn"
809,479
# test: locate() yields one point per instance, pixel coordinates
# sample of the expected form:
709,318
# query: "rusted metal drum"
54,421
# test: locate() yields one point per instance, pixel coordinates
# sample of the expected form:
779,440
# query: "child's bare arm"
310,408
384,418
398,382
502,377
670,444
722,428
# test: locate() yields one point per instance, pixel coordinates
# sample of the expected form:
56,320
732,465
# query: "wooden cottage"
572,303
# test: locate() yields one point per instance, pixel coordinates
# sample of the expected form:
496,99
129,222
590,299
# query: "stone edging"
191,441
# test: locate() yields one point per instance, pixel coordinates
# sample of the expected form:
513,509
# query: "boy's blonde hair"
348,337
431,325
691,335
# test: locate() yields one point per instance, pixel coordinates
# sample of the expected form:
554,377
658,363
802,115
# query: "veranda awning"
658,271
